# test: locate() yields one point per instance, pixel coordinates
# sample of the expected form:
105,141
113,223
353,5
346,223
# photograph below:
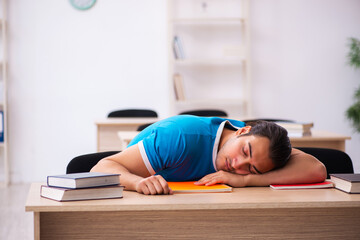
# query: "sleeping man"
210,150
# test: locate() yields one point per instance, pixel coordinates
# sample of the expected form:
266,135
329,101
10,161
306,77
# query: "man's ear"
243,130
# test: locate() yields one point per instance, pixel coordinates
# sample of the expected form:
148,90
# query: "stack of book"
297,129
82,186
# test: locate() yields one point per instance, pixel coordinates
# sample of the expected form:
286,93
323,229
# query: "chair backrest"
200,113
133,113
84,163
335,161
206,113
143,126
268,120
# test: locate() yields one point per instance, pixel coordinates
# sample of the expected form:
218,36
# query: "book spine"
178,50
179,89
1,126
176,56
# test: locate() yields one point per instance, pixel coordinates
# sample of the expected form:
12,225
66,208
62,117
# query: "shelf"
203,62
209,44
234,107
208,21
212,102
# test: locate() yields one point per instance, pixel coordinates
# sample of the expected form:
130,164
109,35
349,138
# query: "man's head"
256,148
280,146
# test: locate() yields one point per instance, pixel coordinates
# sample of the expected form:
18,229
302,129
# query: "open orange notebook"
187,187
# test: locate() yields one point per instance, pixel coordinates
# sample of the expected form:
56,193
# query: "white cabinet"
4,176
210,55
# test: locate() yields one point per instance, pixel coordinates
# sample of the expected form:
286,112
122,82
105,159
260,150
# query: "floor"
15,223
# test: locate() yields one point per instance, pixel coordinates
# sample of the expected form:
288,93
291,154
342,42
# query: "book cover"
347,182
66,194
188,187
350,177
326,184
83,180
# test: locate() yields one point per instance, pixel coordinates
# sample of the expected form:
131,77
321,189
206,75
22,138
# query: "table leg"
36,226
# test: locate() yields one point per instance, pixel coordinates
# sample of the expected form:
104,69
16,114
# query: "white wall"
68,68
299,63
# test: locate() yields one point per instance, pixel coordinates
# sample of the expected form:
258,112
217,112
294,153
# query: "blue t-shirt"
183,147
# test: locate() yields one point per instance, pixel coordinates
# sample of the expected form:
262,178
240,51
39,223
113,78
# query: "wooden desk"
108,139
246,213
126,137
321,139
107,131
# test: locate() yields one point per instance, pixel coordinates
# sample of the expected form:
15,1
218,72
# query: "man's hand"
153,185
232,179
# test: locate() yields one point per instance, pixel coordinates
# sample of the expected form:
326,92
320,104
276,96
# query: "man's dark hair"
280,146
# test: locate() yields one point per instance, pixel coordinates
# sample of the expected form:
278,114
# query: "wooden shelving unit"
211,54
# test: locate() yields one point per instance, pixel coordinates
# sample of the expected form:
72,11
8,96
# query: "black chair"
142,127
206,113
84,163
133,113
200,113
269,120
335,161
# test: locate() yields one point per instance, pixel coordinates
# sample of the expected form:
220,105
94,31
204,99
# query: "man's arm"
134,174
301,168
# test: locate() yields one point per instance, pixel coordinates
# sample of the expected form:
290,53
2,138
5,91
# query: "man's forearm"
127,179
301,168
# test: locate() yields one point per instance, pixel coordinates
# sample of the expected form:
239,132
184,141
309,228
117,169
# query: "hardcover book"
83,180
190,187
347,182
178,49
179,87
66,194
326,184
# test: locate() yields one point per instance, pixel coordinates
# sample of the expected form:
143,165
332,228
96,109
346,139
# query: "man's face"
245,155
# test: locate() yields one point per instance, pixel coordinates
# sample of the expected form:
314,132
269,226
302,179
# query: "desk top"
125,121
321,135
240,198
